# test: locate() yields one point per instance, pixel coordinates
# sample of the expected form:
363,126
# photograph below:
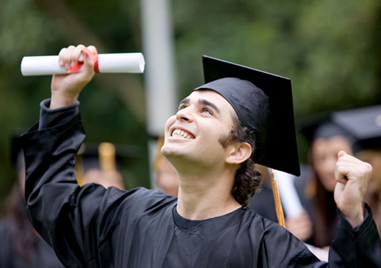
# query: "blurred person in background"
364,124
20,245
99,166
166,177
300,225
316,186
373,195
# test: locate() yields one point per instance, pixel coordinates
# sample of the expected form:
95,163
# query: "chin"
166,151
169,152
330,186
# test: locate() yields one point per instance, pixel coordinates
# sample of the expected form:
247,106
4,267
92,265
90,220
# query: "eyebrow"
184,101
202,102
208,103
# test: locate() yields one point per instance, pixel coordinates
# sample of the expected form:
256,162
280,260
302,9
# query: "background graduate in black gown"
20,245
316,188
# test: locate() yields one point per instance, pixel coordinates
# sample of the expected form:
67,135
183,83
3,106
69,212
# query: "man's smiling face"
192,134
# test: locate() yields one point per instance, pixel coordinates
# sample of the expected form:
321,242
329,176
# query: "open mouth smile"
179,133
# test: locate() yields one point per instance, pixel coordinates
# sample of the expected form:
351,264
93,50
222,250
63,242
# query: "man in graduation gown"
210,142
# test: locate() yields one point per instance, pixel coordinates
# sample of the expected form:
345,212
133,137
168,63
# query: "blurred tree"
116,102
329,49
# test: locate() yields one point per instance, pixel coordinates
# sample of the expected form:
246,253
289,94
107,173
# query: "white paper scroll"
107,63
320,253
292,205
289,196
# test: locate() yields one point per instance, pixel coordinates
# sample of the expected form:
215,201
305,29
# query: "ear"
238,153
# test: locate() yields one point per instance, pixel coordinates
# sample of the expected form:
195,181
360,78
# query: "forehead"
198,96
210,96
332,144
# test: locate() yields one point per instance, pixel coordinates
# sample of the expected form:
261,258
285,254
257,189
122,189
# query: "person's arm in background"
300,226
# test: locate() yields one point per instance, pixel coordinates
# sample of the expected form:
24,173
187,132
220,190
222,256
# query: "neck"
205,196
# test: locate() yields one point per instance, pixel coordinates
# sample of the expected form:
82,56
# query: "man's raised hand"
65,88
352,176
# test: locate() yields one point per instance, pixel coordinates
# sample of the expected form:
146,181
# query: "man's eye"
182,107
207,110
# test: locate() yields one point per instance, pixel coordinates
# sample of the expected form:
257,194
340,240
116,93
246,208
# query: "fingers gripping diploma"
352,176
66,88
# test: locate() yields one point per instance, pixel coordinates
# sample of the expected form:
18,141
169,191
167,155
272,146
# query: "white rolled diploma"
107,63
290,199
292,205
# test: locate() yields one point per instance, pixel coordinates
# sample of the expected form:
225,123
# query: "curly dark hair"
248,180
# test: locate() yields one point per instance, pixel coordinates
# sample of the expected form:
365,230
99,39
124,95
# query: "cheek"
169,123
211,142
318,167
326,166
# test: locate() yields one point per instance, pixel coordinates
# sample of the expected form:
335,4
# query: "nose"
185,114
330,163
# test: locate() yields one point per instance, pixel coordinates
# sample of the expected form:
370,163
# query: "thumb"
93,49
341,154
340,175
88,64
89,61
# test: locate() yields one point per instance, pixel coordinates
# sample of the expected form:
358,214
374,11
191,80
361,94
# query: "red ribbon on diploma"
93,56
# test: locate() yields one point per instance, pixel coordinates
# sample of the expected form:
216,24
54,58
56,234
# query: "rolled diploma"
107,63
293,207
289,196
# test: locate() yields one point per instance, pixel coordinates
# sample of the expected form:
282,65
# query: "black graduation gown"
95,227
263,203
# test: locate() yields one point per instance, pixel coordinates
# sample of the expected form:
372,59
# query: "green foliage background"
330,50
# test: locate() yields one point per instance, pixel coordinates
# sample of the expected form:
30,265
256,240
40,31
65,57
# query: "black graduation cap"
263,103
363,123
322,126
94,157
105,156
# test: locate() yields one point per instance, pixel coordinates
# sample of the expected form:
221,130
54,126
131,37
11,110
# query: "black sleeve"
356,247
54,117
70,218
82,224
352,247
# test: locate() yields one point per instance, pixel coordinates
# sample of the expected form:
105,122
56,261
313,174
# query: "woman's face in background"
324,158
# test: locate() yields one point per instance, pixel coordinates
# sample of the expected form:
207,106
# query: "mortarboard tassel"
278,205
106,153
79,169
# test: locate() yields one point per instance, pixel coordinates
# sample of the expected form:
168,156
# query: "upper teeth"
181,134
